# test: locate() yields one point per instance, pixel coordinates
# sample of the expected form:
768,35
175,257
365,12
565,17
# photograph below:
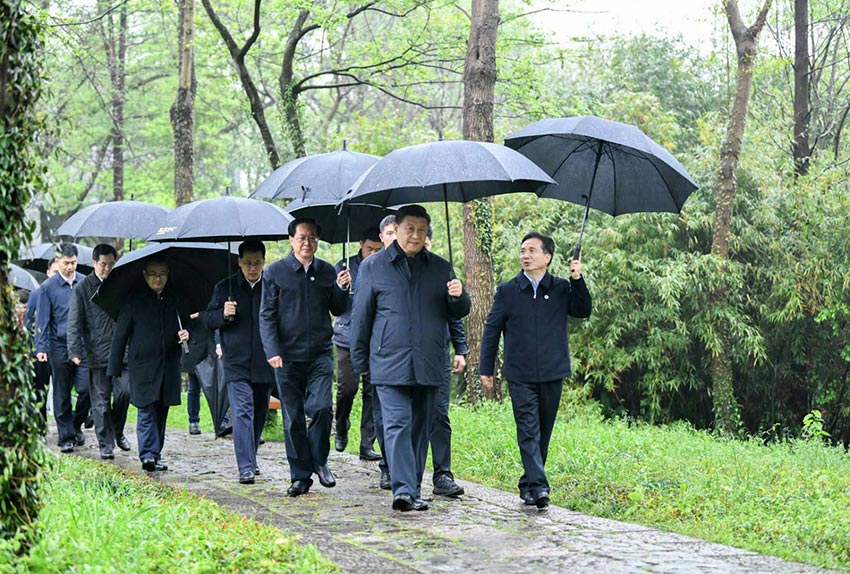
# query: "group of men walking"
399,311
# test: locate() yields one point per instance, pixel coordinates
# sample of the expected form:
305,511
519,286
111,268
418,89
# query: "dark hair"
252,246
23,295
293,225
430,233
103,249
412,211
155,260
386,222
66,250
370,234
547,242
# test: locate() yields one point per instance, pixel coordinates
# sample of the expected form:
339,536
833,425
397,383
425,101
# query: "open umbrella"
446,171
321,176
127,219
22,279
38,257
609,166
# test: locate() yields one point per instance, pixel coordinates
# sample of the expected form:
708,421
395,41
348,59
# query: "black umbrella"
210,373
321,176
127,219
446,171
609,166
38,257
21,278
194,269
340,223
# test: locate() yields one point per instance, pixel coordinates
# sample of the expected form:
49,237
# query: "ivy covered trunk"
183,108
21,446
479,81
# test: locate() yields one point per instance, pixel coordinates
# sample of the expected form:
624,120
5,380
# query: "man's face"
388,234
104,264
52,268
411,234
67,266
156,276
252,263
369,247
305,241
532,258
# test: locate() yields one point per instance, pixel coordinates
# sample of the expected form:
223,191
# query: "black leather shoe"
340,441
246,478
420,504
386,481
89,422
194,428
228,430
369,453
326,477
159,466
404,503
123,443
149,464
300,487
444,485
66,447
541,500
257,470
79,438
106,453
526,497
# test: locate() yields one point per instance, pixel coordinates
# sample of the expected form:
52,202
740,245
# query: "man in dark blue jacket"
51,343
404,299
300,292
347,383
234,311
531,310
42,369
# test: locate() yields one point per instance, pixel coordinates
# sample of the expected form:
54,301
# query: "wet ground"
487,530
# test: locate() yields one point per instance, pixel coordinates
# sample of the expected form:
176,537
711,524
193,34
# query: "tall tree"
115,43
802,70
479,81
182,111
727,416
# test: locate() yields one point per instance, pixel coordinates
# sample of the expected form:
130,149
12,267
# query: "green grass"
98,518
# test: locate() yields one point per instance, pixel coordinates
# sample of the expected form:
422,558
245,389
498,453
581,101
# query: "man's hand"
218,351
575,268
41,357
343,278
458,364
182,335
195,315
455,288
276,362
230,308
76,361
487,383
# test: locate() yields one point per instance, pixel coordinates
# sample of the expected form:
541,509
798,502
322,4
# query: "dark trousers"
67,376
249,406
306,389
535,407
378,419
110,399
193,398
150,430
407,412
441,432
346,389
42,382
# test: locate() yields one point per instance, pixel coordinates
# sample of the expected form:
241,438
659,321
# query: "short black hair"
370,234
66,250
412,211
103,249
547,242
293,225
156,260
252,246
430,233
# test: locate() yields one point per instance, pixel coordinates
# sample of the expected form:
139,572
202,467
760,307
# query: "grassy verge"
100,519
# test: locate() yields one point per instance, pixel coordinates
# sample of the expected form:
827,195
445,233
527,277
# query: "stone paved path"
487,531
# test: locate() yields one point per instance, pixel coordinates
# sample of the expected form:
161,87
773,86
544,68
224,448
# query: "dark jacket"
537,348
457,334
201,344
342,325
90,329
148,323
295,320
241,346
51,321
399,330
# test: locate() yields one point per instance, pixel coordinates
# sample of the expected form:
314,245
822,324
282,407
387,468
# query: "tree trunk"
288,92
183,109
115,43
479,80
802,151
726,410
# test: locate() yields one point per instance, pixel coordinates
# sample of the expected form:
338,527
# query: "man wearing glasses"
300,292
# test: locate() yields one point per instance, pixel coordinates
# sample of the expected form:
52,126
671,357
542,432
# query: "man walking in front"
300,292
90,332
234,311
404,300
531,310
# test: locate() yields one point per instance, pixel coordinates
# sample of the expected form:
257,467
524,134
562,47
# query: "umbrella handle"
184,343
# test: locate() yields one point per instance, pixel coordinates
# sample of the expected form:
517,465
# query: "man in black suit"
531,310
249,377
148,322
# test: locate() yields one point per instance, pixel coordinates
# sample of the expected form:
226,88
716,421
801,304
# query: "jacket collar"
293,262
524,283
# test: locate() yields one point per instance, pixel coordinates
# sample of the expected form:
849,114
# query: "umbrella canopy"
224,219
22,279
210,373
194,269
38,257
606,165
340,223
127,219
321,176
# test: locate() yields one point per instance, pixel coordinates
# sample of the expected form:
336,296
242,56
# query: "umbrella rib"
581,147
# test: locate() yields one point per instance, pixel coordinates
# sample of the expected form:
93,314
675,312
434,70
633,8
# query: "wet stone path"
486,531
